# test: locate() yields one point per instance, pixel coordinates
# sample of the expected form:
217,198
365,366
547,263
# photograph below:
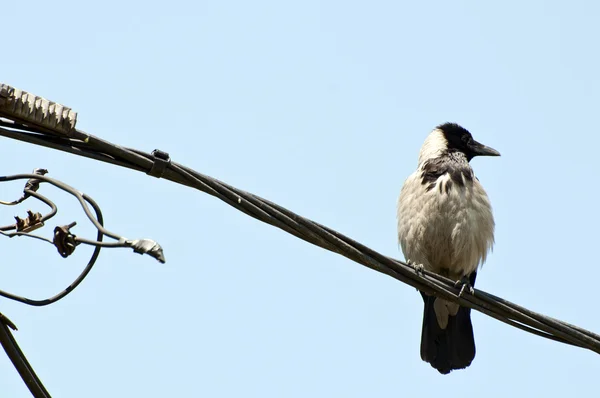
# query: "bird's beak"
481,150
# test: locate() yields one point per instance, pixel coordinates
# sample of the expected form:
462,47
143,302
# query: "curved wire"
99,221
53,208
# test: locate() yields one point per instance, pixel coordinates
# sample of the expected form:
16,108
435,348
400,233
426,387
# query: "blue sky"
320,106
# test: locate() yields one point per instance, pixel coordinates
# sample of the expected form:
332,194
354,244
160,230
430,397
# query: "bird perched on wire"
445,225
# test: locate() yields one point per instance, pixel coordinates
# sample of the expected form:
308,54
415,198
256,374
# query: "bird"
446,226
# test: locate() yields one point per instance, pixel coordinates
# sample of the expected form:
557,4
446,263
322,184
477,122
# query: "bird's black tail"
450,348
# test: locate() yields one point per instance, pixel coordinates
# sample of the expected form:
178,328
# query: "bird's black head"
460,140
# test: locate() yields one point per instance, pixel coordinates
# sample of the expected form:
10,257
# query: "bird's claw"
417,267
465,284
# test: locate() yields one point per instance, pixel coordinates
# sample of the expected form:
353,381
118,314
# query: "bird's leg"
417,267
465,285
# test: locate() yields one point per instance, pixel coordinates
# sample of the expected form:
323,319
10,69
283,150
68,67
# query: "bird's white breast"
448,231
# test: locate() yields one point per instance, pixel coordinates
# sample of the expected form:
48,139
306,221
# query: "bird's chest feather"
445,221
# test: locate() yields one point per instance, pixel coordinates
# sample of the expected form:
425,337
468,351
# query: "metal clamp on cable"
64,240
161,161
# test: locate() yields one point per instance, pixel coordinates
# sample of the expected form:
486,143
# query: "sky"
321,107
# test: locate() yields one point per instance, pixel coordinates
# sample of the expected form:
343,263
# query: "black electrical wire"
80,143
83,144
97,220
13,351
142,246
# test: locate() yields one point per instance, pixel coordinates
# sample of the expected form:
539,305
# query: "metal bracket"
161,161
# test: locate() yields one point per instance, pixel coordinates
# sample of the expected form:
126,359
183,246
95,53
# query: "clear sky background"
320,106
